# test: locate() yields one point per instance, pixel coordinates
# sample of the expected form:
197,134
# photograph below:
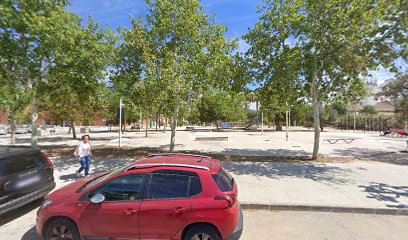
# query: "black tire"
199,230
64,226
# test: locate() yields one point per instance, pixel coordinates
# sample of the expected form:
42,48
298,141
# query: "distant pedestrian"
84,154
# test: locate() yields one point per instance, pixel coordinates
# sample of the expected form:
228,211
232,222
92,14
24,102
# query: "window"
165,186
224,181
195,186
125,188
19,163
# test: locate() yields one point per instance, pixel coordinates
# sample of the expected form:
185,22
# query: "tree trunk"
165,124
173,131
13,129
287,125
173,128
147,125
34,118
157,120
316,120
216,125
73,129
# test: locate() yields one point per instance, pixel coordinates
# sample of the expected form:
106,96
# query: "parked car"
20,129
2,131
50,128
170,196
26,174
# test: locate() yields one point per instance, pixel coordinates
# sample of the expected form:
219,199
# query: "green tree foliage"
46,51
26,55
216,106
368,109
397,89
172,56
13,100
325,46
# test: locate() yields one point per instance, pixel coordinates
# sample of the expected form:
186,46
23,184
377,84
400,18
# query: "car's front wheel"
202,232
62,229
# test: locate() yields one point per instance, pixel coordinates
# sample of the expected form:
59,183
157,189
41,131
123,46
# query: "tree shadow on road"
276,170
98,165
397,158
269,153
392,196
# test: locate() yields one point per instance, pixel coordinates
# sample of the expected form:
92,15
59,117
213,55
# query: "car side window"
168,186
126,188
195,186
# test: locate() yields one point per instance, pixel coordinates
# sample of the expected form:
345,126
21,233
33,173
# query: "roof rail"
177,154
149,165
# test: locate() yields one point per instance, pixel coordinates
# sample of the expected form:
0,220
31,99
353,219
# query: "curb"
335,209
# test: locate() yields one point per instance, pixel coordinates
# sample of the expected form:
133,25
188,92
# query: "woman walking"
84,154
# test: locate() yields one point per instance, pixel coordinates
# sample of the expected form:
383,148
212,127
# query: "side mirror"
97,198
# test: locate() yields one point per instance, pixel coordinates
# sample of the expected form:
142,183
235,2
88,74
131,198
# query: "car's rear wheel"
62,229
202,232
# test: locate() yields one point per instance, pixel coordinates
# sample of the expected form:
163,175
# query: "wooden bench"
335,140
211,138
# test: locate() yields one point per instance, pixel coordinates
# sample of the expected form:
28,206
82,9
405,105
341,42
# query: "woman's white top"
84,149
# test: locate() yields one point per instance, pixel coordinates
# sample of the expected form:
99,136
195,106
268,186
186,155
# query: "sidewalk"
356,184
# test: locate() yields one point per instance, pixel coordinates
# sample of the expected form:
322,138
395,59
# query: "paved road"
321,226
262,225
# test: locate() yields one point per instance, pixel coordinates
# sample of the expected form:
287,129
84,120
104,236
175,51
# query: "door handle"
178,209
130,211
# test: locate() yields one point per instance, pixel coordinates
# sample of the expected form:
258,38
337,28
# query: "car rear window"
224,181
19,163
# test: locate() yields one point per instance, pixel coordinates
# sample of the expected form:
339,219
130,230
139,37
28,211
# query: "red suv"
167,196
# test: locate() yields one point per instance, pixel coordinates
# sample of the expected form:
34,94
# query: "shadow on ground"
391,196
98,165
398,158
276,170
278,153
21,211
31,234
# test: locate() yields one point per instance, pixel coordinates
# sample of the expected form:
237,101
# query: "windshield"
101,178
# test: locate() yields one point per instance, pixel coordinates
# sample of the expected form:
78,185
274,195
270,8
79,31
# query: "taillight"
48,161
229,198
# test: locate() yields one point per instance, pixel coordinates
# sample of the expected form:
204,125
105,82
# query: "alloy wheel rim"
201,236
61,232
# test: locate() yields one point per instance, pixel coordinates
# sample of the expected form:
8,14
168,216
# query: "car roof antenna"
206,154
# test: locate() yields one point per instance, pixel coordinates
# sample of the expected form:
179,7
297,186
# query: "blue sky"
237,15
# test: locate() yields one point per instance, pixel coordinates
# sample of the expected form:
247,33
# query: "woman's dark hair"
83,137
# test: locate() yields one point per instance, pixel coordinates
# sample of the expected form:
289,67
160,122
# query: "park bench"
190,128
335,140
